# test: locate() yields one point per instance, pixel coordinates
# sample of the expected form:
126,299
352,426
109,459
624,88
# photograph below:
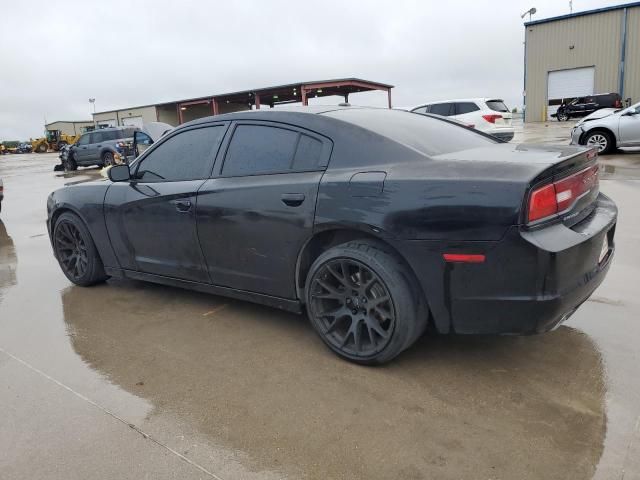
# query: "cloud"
56,55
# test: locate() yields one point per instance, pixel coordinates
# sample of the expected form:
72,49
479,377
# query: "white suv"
489,115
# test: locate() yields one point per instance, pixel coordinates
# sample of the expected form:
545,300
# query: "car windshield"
423,133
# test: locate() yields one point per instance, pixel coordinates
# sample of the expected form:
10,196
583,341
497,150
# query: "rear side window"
497,106
96,137
428,135
444,109
419,110
466,107
110,135
127,132
185,156
261,149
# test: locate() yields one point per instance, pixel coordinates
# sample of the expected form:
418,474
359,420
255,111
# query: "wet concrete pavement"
132,380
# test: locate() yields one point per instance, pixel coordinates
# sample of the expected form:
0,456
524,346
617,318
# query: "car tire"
362,301
70,164
562,117
601,139
75,251
107,159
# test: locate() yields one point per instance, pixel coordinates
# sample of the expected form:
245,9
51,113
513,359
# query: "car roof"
270,113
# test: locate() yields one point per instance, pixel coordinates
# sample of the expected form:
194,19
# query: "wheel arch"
325,239
66,208
583,137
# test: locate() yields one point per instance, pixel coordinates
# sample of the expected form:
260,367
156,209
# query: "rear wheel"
107,159
562,116
361,303
76,252
601,139
42,148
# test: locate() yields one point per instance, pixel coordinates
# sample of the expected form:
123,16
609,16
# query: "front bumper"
576,135
532,281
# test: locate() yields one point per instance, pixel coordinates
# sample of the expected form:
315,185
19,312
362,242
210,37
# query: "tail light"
491,118
559,196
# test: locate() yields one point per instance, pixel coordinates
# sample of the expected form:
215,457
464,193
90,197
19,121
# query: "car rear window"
425,134
497,106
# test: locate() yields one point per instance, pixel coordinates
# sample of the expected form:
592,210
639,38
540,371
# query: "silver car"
609,129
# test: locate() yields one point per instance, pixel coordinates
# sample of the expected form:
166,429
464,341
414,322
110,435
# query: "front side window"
466,107
420,110
187,155
260,149
84,140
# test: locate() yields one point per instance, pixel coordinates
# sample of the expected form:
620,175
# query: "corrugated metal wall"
632,67
596,42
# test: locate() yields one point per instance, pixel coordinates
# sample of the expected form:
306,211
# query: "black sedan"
378,222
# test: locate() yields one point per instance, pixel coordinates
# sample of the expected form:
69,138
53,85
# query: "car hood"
603,112
156,129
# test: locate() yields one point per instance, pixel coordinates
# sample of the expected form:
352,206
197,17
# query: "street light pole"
92,101
531,11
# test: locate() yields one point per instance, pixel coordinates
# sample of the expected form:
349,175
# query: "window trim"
135,165
327,148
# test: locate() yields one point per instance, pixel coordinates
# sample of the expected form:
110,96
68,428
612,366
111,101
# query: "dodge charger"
377,223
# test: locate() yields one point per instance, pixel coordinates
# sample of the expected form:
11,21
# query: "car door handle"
182,206
292,199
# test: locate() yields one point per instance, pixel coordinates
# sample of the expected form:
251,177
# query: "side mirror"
119,173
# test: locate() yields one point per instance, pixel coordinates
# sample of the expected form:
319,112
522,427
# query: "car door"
629,127
151,220
81,147
590,105
258,211
467,112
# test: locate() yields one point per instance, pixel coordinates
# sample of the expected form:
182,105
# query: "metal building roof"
580,14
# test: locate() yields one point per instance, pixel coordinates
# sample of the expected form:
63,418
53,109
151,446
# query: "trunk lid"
572,170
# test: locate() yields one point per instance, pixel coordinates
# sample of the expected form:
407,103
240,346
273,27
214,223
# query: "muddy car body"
376,221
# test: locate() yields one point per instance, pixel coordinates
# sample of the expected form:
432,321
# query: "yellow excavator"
53,140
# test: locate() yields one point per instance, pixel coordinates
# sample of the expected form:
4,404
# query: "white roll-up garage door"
132,121
575,82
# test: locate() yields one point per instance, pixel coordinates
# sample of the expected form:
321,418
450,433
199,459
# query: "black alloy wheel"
71,250
361,301
76,252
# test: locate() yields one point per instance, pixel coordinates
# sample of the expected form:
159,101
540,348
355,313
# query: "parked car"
102,147
377,222
24,148
609,129
145,137
489,115
581,106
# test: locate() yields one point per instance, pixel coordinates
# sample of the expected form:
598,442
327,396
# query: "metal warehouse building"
581,54
175,113
70,127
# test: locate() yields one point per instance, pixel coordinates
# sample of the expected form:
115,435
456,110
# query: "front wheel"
42,148
361,303
76,252
69,163
562,117
602,140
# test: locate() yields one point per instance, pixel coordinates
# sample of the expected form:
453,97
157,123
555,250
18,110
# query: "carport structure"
271,96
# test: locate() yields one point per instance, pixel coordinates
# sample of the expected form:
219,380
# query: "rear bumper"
504,136
534,280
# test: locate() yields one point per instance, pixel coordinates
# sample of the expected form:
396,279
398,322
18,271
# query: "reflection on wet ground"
132,380
8,261
258,381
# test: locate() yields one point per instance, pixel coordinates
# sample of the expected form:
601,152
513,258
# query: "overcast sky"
56,54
